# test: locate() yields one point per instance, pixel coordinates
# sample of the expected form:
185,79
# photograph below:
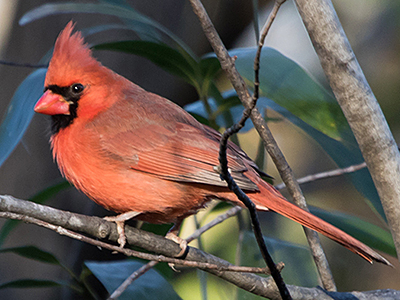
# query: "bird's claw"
120,229
182,243
120,221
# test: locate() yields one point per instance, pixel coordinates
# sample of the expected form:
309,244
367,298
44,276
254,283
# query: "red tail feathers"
270,199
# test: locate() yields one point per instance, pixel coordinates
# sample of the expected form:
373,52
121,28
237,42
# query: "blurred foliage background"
372,28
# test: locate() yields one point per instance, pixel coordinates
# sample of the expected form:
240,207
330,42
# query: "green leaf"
145,27
32,283
370,234
162,55
34,253
209,67
40,197
149,286
20,112
285,82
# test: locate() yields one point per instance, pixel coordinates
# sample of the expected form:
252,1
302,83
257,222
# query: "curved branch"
102,229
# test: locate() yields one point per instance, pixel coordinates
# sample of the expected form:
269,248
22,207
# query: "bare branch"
261,41
328,174
222,217
227,64
128,252
65,222
358,103
223,169
135,275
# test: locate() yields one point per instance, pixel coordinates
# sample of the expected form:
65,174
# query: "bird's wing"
187,155
178,151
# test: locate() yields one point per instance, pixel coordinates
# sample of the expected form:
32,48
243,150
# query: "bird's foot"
182,243
120,222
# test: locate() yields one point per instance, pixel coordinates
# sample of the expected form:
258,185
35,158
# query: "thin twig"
224,163
222,217
213,37
135,275
264,33
312,237
141,271
250,206
202,276
328,174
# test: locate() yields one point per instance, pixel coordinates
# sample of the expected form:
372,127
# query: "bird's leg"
120,221
173,236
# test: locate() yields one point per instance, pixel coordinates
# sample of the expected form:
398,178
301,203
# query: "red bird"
139,154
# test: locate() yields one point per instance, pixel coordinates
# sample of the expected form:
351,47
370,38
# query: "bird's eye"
77,88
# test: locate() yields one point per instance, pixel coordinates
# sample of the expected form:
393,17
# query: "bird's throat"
59,122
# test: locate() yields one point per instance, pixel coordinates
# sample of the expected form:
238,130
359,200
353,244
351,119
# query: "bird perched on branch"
141,155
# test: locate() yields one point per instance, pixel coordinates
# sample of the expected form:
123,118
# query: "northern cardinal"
139,154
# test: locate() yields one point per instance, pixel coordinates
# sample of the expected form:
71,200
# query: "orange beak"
52,104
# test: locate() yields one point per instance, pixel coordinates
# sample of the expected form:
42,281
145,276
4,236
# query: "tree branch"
102,229
225,174
327,174
286,173
358,103
128,252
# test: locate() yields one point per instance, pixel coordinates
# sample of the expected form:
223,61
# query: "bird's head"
75,83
